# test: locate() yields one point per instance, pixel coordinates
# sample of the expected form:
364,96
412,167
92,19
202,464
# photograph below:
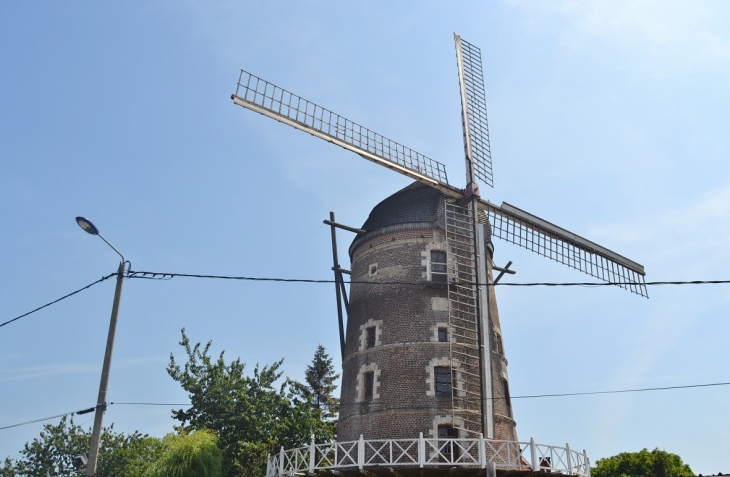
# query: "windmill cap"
415,204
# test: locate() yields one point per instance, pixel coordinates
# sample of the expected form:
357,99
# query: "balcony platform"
424,457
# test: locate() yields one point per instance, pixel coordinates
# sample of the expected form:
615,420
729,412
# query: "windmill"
430,359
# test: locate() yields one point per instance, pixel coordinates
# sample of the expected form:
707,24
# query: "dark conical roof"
415,203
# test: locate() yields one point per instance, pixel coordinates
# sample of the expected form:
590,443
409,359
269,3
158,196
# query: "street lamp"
101,400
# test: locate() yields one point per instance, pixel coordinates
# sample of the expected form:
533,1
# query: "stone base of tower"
426,457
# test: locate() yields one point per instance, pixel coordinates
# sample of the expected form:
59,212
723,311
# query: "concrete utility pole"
101,399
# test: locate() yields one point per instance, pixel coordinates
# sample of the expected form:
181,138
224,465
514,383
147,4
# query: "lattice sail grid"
476,111
550,245
311,117
463,318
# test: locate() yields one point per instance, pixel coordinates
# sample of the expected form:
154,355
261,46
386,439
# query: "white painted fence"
421,452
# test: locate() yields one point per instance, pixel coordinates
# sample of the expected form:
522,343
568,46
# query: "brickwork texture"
406,316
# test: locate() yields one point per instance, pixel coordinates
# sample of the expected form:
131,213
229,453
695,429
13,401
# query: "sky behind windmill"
606,118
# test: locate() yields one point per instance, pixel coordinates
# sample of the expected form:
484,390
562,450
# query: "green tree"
656,463
52,453
249,414
188,455
320,377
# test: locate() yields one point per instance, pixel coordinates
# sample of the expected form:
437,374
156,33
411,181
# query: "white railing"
421,452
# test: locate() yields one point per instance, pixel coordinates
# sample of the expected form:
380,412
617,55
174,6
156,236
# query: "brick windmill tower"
425,383
412,362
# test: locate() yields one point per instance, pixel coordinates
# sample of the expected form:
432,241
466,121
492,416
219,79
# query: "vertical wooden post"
360,452
338,280
482,452
568,459
421,450
281,461
312,455
533,456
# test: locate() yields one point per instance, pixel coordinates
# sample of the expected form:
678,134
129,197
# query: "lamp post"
101,400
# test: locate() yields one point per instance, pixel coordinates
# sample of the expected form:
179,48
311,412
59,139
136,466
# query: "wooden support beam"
342,270
332,223
502,271
338,280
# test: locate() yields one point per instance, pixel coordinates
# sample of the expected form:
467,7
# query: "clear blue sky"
607,118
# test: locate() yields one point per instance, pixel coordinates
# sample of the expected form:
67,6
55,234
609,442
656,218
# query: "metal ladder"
464,350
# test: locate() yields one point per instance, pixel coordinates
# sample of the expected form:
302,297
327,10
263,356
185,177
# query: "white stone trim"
442,420
378,324
373,269
361,381
439,303
431,379
498,340
435,333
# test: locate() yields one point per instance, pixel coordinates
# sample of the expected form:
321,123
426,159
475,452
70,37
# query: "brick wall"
406,317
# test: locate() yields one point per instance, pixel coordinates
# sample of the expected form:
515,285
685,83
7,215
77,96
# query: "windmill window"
443,335
444,380
507,399
438,266
370,337
369,383
499,349
373,269
448,450
370,334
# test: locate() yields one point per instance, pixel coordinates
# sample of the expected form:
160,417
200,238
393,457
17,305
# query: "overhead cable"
531,396
83,411
527,396
169,276
59,299
588,393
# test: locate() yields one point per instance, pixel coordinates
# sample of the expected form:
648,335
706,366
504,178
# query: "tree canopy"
52,453
188,455
233,422
250,415
320,385
655,463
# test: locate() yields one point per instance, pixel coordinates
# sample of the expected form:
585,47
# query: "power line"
86,411
528,396
152,403
169,276
83,411
534,396
531,396
59,299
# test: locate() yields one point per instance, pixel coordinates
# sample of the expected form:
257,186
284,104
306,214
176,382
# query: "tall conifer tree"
320,377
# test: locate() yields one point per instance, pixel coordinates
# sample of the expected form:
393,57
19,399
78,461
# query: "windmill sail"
533,233
474,112
507,222
270,100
